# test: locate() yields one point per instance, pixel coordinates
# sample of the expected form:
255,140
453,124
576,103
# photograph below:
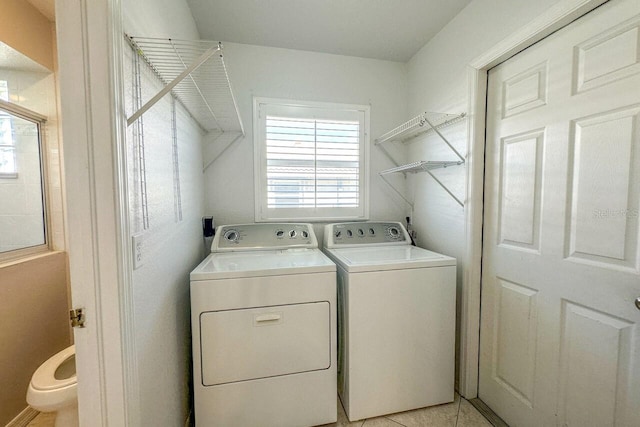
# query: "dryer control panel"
347,234
253,237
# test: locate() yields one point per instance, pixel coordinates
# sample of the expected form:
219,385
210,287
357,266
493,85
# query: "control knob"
393,232
231,235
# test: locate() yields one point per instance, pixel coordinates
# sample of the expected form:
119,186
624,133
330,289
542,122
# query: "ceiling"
46,7
382,29
11,59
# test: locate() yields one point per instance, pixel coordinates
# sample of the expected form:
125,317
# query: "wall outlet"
137,246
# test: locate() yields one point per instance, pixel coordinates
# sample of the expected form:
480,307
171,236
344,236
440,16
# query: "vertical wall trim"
556,17
130,410
96,201
470,304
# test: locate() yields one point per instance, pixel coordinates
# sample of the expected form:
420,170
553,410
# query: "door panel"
603,217
520,179
525,91
607,57
593,339
560,335
514,346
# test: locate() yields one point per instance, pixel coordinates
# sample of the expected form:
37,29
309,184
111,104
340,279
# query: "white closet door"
560,333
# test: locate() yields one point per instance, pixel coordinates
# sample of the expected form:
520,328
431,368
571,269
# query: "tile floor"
460,413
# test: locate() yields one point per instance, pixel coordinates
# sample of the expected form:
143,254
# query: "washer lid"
373,258
262,263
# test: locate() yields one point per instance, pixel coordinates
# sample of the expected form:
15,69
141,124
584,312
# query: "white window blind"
311,161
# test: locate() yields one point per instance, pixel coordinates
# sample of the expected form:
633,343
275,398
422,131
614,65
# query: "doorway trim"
90,44
560,15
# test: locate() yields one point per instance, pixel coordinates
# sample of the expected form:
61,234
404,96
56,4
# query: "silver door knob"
638,303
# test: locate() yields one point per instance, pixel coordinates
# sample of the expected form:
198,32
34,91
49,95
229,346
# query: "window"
4,90
22,209
8,168
311,160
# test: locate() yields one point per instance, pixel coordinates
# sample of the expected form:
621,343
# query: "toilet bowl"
53,388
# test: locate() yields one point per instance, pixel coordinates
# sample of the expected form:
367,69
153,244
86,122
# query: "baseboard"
23,418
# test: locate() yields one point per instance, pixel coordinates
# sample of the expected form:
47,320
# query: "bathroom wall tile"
12,200
33,199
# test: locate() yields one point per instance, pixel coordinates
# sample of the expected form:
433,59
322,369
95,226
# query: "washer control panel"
250,237
365,233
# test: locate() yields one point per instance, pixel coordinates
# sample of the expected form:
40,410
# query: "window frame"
40,122
301,109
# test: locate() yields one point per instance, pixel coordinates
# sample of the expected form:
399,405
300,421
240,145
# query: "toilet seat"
43,379
48,394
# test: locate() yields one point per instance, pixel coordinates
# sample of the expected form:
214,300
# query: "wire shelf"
419,125
422,166
422,124
195,72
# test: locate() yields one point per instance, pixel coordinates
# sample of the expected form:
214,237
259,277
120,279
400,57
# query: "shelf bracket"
212,161
389,156
396,191
435,128
445,188
198,62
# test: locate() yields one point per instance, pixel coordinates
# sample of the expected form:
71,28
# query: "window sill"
25,255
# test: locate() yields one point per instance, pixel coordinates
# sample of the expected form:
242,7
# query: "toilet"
53,388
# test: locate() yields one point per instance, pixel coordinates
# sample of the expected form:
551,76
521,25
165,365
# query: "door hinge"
76,316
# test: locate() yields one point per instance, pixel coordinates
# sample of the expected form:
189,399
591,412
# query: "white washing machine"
263,316
396,320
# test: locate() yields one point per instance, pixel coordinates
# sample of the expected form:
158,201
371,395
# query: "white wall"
171,247
159,18
438,82
308,76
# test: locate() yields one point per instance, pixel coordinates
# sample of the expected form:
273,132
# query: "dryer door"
246,344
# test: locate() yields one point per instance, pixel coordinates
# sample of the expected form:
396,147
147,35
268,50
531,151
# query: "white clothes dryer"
263,317
396,320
